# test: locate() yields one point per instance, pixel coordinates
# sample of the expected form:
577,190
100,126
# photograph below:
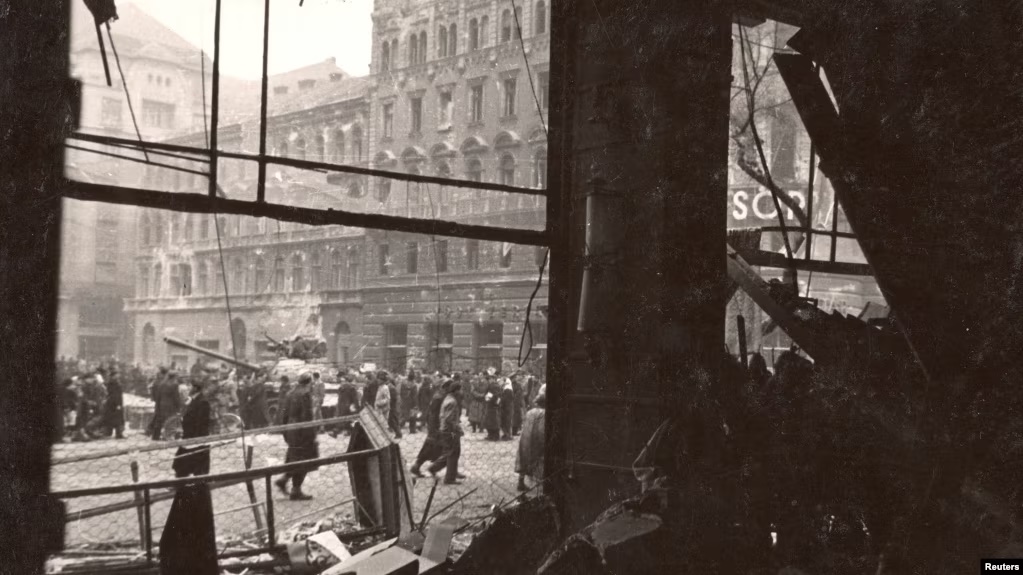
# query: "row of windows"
386,266
447,37
336,269
487,344
322,149
475,112
339,269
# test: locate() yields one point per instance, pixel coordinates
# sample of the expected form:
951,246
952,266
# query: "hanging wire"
127,96
529,71
528,327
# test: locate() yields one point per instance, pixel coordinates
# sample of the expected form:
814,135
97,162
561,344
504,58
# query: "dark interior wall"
645,90
35,111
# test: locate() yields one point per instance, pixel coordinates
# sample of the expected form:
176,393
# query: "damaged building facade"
448,95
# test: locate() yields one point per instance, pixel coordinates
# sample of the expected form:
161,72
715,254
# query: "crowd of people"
498,407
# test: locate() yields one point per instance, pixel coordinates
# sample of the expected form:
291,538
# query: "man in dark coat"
518,408
393,417
302,446
424,395
507,409
195,422
347,404
113,408
168,402
432,446
477,403
451,436
369,393
492,416
408,402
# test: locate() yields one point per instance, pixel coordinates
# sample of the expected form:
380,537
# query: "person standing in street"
408,401
195,422
507,405
347,404
382,400
451,436
302,446
113,407
433,446
394,414
529,459
319,393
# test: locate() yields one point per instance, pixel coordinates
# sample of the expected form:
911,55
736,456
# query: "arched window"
540,169
202,288
517,23
474,34
300,148
506,25
508,170
442,42
338,146
357,144
282,149
413,49
142,287
452,40
297,273
315,271
474,170
279,274
341,341
157,279
484,31
320,149
422,47
394,53
385,56
540,27
148,343
204,227
260,286
175,224
189,227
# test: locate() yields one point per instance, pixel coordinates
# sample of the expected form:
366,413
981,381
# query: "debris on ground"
515,540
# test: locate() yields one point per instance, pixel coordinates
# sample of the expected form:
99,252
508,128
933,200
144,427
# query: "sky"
299,36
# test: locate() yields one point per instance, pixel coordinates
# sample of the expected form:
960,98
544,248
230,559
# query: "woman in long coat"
492,417
477,403
529,459
507,409
195,422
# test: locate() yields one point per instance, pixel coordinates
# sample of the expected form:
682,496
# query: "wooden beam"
195,203
761,258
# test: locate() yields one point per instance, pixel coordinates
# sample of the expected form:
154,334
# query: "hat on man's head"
305,378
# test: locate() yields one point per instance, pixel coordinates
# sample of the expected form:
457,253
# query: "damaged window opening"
314,225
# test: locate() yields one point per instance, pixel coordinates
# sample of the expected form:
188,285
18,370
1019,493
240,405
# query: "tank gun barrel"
178,343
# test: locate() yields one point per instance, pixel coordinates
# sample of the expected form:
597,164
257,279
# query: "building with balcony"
458,105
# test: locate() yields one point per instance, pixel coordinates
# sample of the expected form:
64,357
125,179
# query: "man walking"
432,446
451,436
302,446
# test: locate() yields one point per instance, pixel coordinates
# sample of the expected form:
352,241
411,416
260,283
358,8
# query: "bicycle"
224,423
